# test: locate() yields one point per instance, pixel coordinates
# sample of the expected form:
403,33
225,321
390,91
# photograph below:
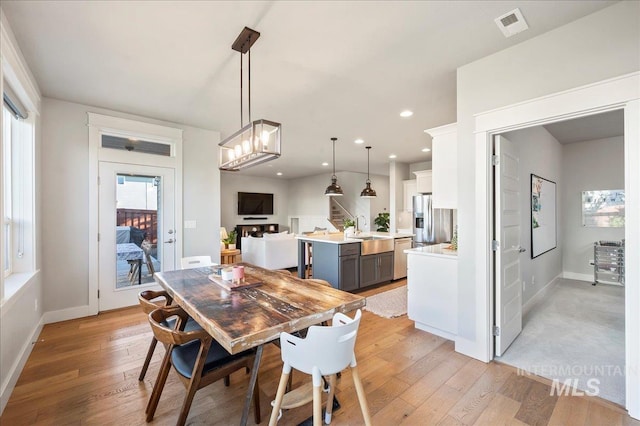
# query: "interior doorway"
572,332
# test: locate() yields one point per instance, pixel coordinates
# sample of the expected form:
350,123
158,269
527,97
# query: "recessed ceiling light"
426,149
359,141
279,173
406,113
325,164
392,156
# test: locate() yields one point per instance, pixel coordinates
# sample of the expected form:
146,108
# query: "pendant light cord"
368,149
249,85
334,156
249,88
241,110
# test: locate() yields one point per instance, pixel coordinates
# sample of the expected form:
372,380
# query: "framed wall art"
543,215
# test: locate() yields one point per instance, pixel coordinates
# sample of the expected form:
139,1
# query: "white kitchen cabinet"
432,285
444,160
423,181
410,189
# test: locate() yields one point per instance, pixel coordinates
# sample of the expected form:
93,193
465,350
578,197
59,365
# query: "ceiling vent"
511,23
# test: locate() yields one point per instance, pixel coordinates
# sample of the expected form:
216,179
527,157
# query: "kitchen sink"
370,237
374,245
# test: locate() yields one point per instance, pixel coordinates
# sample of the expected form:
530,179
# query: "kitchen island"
432,283
349,263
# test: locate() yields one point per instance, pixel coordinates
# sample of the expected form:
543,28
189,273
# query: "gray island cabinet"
347,263
334,259
376,268
337,263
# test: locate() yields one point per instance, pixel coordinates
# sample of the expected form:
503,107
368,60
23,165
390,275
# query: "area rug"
390,304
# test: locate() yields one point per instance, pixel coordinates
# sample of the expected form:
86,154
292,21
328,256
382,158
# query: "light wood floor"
85,371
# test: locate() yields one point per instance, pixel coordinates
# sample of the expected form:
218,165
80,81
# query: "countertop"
340,239
436,250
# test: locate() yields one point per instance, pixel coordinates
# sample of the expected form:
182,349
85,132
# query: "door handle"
521,249
170,241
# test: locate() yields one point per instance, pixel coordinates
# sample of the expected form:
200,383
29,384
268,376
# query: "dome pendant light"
334,189
368,192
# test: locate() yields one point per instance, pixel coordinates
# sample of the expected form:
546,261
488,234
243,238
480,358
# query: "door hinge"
98,294
496,330
495,160
495,245
98,237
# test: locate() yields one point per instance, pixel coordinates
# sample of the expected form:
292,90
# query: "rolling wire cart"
608,262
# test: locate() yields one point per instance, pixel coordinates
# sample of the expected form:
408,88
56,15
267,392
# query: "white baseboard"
576,276
436,331
66,314
541,294
18,365
470,348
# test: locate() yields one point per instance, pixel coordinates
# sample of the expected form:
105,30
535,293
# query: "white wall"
201,199
233,182
591,49
306,197
382,202
590,165
65,198
540,154
398,172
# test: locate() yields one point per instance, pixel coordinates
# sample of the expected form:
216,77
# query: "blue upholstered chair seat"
184,357
191,324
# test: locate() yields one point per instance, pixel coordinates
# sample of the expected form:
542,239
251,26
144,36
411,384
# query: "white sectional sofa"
271,251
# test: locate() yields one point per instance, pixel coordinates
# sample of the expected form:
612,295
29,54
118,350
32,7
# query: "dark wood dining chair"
149,301
197,359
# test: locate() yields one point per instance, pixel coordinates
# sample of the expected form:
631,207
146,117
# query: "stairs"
337,214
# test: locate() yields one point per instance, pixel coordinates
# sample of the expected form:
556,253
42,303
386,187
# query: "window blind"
12,102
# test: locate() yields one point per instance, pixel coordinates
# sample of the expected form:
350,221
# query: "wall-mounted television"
255,203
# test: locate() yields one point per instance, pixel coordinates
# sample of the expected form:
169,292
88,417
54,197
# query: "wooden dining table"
246,318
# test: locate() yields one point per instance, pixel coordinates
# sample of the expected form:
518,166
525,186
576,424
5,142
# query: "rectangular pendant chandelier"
259,140
255,143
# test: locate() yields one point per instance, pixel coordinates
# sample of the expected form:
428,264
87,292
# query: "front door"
137,230
508,285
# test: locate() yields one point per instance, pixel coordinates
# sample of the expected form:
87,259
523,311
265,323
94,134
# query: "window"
603,208
7,119
18,190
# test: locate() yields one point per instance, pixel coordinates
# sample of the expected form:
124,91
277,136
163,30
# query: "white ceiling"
322,69
599,126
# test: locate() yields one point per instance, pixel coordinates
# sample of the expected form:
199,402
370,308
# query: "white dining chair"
195,262
325,351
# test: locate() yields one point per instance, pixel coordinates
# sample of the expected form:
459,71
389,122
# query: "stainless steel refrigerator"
430,226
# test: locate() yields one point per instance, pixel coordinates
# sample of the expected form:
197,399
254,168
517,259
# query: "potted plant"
382,222
349,227
230,241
